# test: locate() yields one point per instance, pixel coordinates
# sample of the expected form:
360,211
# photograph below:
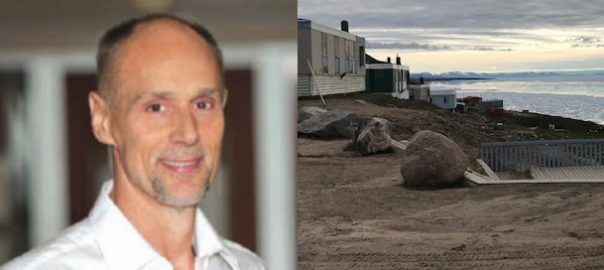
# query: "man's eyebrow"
162,94
207,91
156,94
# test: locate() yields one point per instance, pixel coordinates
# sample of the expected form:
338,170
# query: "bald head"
151,29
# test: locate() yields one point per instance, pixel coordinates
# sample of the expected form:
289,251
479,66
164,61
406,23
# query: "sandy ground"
354,213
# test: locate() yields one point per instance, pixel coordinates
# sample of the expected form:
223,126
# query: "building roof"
308,24
370,60
440,91
373,63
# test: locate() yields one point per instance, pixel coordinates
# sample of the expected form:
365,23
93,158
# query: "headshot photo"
145,134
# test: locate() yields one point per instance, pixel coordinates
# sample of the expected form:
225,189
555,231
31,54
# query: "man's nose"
185,129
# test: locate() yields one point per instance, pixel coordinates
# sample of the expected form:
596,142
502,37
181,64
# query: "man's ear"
225,95
100,120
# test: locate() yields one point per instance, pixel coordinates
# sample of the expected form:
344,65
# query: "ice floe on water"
579,97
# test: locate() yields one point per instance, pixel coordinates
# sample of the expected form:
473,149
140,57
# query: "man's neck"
169,230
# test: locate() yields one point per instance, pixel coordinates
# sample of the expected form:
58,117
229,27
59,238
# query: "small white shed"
445,98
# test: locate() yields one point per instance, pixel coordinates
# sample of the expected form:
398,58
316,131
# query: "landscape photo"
450,134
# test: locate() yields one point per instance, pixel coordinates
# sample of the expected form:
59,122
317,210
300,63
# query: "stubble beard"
164,195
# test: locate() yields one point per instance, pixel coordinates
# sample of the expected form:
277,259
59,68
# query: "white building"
330,61
445,98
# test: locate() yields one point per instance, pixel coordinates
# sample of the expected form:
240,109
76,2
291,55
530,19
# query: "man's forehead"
164,34
164,49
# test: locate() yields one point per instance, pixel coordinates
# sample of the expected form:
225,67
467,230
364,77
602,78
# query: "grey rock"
330,124
432,159
307,112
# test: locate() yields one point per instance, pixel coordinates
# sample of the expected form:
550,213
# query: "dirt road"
354,213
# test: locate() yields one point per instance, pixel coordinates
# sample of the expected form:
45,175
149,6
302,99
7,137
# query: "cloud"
472,14
406,46
429,47
495,24
586,41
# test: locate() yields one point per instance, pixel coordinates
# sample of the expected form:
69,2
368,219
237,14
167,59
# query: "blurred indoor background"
51,167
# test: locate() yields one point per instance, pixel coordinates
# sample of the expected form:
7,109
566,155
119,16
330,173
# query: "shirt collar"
124,248
212,243
121,244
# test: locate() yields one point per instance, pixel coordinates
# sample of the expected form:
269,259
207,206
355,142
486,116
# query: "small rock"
373,136
459,248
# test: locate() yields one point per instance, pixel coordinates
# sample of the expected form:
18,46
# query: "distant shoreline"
449,79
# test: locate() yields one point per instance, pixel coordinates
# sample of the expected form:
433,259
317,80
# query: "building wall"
304,50
388,78
330,84
313,45
314,42
420,92
485,105
304,84
315,51
439,100
380,80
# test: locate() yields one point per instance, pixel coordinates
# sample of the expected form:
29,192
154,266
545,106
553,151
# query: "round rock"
432,159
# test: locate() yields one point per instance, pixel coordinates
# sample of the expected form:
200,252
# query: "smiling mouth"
181,166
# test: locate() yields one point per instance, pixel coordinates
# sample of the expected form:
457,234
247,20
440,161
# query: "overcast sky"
473,35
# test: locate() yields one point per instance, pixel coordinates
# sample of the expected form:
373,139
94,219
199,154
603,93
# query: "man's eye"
203,105
155,108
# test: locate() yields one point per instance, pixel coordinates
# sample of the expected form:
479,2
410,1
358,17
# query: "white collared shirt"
107,240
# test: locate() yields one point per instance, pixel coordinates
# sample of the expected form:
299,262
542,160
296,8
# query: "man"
160,106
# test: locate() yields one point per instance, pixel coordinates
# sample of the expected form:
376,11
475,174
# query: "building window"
347,64
337,65
362,56
445,99
336,46
323,44
349,54
324,64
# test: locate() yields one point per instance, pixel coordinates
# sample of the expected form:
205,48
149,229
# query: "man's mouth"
181,165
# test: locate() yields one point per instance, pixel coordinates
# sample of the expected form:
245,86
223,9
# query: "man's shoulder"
74,247
245,258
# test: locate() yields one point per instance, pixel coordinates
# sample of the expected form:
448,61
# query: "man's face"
167,116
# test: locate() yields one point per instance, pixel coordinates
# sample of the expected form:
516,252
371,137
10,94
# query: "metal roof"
305,24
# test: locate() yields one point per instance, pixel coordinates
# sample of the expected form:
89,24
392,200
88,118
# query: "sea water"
578,97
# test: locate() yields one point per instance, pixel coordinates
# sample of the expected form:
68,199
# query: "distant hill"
459,74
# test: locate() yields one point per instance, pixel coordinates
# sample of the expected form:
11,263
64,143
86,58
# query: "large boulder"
372,136
431,159
308,112
330,124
